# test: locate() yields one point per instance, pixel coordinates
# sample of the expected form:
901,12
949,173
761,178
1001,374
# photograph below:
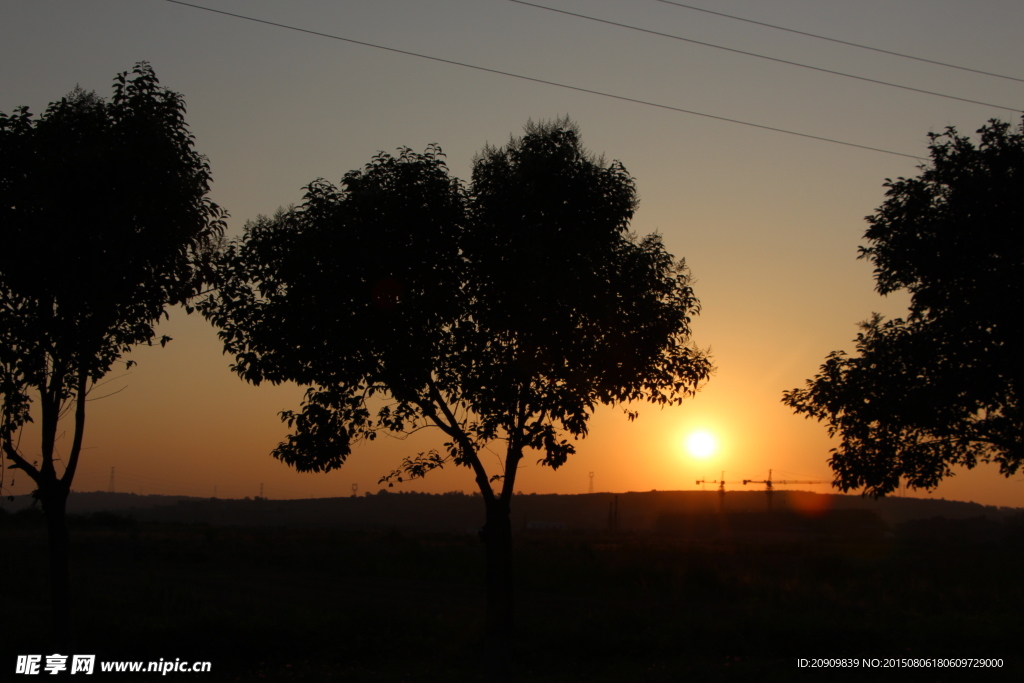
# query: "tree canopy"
940,388
103,213
503,311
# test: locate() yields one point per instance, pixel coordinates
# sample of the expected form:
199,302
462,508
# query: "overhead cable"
546,82
844,42
772,59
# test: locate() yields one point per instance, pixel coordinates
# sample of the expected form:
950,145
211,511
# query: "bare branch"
18,462
113,393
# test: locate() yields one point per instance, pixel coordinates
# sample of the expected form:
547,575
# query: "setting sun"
701,444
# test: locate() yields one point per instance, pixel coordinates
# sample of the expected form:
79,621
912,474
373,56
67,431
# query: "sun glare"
700,444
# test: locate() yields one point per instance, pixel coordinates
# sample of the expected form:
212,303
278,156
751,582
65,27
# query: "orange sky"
768,223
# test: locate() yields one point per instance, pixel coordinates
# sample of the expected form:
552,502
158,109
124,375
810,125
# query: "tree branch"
405,435
456,432
18,462
513,455
76,443
50,408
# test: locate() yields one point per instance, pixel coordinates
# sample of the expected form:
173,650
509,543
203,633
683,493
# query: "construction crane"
721,489
769,484
720,482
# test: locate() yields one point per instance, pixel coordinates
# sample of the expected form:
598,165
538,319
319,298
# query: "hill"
651,511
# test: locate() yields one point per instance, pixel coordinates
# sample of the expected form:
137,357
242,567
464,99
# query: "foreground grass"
320,604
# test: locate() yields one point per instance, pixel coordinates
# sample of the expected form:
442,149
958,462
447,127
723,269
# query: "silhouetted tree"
941,388
102,208
505,313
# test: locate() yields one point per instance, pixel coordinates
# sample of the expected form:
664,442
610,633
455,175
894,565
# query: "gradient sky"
769,223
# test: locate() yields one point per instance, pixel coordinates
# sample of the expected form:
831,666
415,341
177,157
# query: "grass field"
322,604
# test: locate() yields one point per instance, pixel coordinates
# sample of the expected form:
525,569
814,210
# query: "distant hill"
636,511
100,501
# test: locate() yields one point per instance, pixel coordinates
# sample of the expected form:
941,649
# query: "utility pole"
613,514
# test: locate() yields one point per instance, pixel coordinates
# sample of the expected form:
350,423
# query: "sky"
769,223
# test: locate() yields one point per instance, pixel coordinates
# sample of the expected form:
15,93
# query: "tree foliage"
355,295
103,213
570,309
506,311
940,388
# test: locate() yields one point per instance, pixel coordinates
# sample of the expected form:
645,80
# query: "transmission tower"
110,486
591,483
355,490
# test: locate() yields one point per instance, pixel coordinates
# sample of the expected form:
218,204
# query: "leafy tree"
103,209
504,313
942,387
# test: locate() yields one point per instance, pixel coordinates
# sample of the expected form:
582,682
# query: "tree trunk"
54,501
497,537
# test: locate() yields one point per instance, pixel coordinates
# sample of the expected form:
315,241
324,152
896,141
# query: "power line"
545,82
771,59
843,42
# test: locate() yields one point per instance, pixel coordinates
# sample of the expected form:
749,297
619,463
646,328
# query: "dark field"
324,604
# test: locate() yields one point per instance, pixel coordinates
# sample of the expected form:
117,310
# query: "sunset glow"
768,223
701,444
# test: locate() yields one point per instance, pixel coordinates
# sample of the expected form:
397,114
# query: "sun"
701,444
